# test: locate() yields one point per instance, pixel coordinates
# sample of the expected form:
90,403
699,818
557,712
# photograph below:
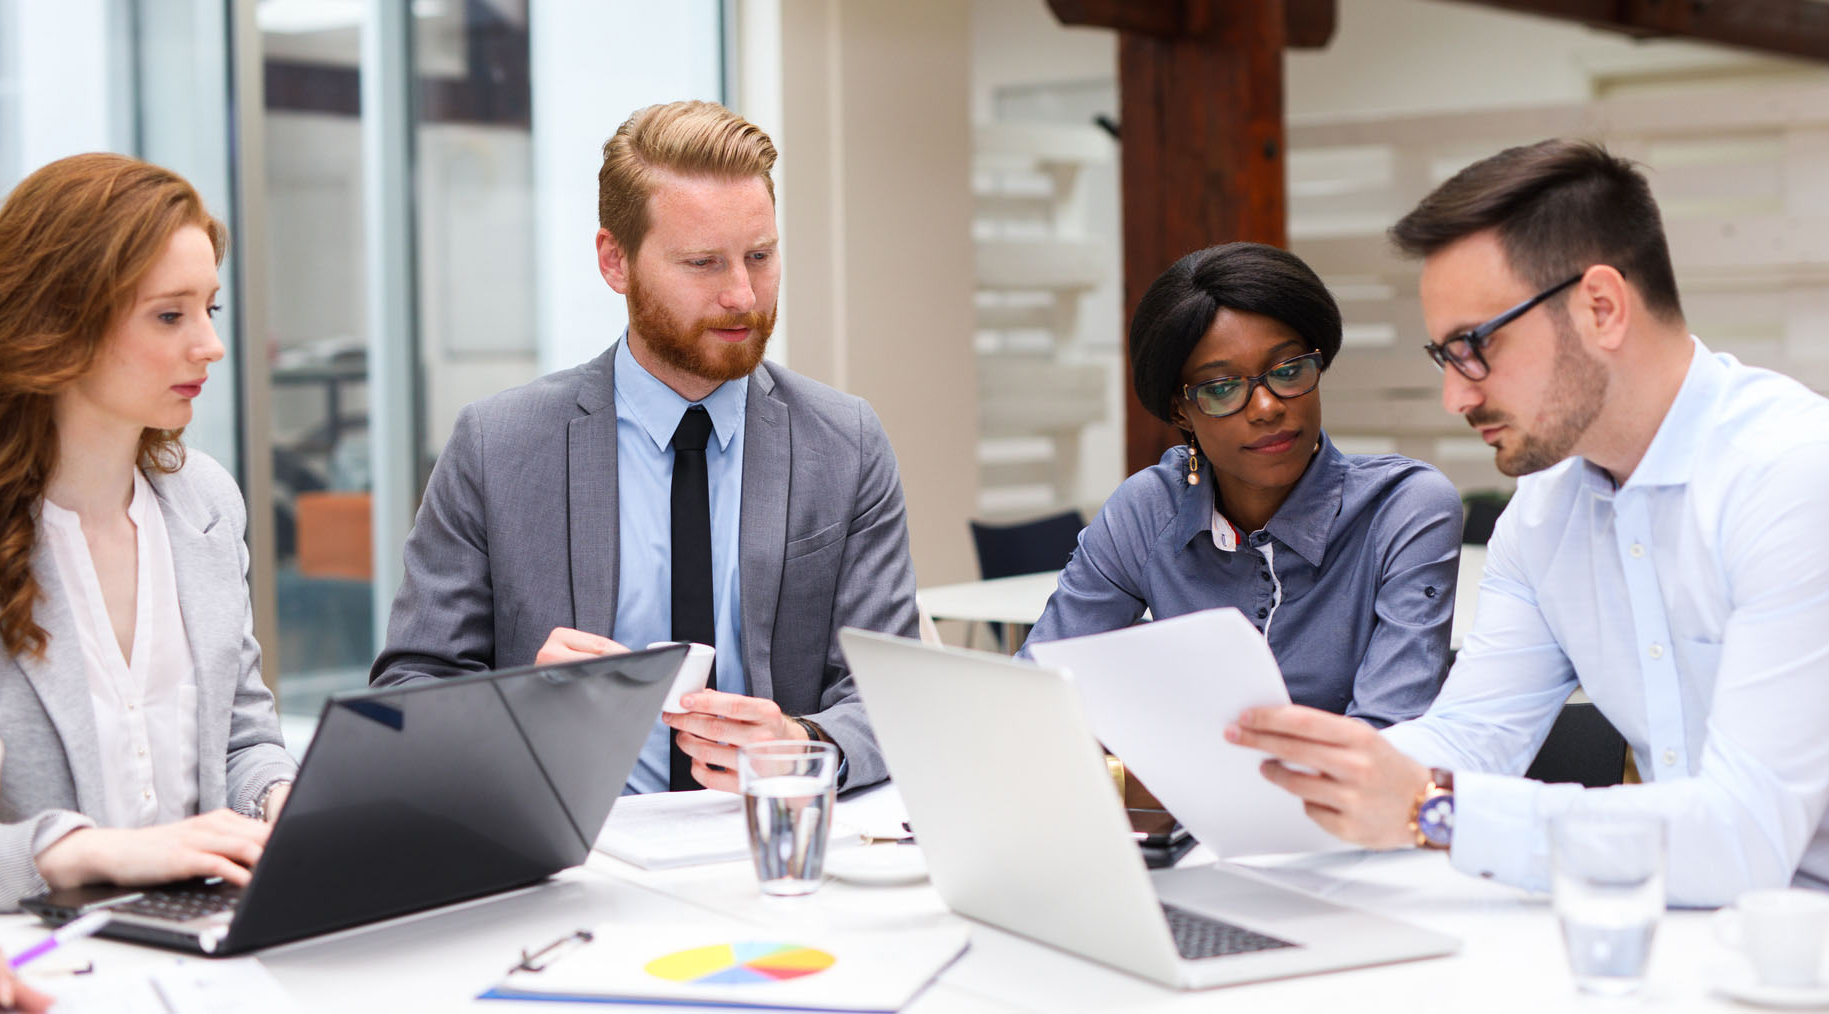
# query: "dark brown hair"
1558,207
76,239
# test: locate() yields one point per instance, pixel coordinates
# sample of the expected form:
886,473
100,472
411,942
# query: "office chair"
1026,547
1582,747
1482,509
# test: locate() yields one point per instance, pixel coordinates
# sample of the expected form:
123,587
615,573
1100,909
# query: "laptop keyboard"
1198,936
181,904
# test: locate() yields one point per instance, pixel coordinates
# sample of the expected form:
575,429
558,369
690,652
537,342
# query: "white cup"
692,675
1781,931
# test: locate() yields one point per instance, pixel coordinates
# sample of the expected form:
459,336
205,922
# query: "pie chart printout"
742,963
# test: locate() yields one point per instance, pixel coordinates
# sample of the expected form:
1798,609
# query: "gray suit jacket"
51,773
518,534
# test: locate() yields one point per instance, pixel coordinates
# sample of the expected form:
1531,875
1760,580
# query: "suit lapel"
595,536
762,530
206,566
60,679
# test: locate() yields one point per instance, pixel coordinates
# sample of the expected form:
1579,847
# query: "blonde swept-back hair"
688,138
76,239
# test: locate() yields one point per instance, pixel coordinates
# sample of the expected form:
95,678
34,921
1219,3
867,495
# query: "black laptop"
417,796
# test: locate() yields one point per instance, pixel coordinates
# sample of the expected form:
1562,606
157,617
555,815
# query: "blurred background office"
411,191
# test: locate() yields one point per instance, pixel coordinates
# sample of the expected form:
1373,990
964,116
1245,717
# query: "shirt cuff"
1496,831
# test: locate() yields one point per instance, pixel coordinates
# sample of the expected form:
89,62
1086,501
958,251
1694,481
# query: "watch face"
1435,820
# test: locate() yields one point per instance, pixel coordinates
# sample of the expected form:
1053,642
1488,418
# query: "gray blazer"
517,534
51,774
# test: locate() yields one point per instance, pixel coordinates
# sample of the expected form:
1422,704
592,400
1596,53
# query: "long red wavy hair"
76,239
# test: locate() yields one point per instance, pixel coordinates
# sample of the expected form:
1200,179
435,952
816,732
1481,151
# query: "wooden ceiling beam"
1789,27
1308,24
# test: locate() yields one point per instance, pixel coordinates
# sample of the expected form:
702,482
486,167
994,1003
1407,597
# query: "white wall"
592,65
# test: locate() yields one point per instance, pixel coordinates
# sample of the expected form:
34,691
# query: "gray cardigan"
50,773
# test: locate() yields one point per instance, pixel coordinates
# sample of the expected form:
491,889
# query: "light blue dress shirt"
1692,604
647,413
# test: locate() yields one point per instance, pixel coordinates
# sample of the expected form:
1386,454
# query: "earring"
1193,464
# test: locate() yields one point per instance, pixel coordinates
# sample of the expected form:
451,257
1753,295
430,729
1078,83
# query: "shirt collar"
658,408
1304,521
1670,458
136,507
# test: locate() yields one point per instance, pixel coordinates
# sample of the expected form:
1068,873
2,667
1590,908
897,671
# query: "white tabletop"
1021,599
1511,957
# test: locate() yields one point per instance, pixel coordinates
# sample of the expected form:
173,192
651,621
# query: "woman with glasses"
140,743
1346,562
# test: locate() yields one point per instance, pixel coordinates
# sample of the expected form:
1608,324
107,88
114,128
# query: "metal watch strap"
260,801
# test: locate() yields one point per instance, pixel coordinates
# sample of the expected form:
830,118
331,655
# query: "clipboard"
734,966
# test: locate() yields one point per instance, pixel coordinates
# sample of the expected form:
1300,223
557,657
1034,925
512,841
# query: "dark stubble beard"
681,347
1578,388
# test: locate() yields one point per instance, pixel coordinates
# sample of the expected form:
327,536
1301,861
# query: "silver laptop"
1008,794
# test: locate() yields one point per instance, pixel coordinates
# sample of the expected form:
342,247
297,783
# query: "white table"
1020,600
1511,957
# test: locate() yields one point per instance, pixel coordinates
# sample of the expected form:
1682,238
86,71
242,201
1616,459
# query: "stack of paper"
742,967
661,830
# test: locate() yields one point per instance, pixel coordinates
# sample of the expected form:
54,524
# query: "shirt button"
142,751
1636,550
1264,574
130,707
1656,651
1670,757
1261,613
146,793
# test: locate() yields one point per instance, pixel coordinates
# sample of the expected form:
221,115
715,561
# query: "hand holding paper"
1159,694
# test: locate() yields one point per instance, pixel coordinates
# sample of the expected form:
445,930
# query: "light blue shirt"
1692,604
647,413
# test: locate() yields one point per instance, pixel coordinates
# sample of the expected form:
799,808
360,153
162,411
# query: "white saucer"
878,865
1739,983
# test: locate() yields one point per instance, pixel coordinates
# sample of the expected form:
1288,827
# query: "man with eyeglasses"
1665,551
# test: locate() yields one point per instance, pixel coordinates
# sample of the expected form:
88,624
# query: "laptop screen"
434,792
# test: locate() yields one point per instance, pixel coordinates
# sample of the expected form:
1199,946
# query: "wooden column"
1200,85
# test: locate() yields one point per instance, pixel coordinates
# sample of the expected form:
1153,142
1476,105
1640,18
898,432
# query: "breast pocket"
817,542
809,583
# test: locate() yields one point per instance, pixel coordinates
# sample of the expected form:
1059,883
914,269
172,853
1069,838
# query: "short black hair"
1559,207
1179,306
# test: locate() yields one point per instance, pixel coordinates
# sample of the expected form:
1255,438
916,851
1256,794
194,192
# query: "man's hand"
221,843
1358,787
716,723
567,645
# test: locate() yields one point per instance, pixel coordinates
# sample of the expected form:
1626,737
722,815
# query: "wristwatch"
260,801
1432,815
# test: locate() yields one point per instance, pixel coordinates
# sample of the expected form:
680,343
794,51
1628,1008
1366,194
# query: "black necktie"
692,616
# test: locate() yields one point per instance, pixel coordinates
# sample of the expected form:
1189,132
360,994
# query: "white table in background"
1020,600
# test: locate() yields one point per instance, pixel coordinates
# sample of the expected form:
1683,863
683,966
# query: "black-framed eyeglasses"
1465,351
1225,396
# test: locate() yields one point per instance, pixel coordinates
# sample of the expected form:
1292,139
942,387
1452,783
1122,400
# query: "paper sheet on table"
185,986
1159,695
661,830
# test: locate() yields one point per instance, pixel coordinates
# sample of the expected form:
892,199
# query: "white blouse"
146,706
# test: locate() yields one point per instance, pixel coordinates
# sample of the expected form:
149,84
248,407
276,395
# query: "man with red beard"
677,487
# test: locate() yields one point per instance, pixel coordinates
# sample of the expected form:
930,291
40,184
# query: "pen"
75,929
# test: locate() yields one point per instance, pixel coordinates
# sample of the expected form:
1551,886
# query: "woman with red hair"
140,743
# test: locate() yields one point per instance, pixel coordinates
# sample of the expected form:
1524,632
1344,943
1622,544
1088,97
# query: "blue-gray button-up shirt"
1353,577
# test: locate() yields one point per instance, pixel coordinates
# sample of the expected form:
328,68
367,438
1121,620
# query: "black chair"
1582,747
1481,510
1027,547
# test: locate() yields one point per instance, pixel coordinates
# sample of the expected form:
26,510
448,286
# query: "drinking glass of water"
1607,882
788,787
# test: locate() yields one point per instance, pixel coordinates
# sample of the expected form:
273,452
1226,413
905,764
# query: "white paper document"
1159,695
661,830
186,986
